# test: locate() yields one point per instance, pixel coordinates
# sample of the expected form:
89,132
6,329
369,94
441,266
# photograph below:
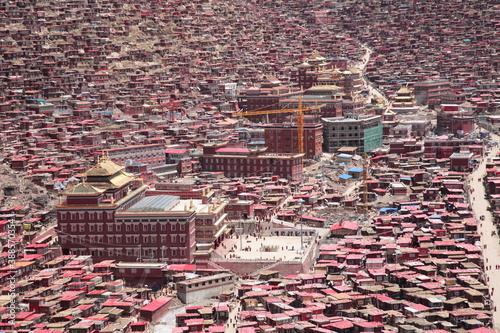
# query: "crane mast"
300,119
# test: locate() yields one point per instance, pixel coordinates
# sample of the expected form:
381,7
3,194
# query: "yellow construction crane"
300,118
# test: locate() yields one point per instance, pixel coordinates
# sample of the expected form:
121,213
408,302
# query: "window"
128,227
99,227
91,228
173,226
110,227
63,215
118,227
153,227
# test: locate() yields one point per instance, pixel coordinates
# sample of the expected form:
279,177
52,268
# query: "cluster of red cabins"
412,268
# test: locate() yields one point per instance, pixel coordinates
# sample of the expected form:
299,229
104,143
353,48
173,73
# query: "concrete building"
266,97
330,96
282,138
204,287
461,161
181,158
363,132
245,162
152,155
86,216
455,120
109,217
430,92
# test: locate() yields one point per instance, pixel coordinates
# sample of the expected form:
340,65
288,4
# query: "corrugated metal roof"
157,203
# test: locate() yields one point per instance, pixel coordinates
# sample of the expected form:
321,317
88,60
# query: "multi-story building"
109,216
328,95
266,97
282,138
211,225
435,145
160,227
152,155
317,70
419,127
404,102
181,158
245,162
86,216
453,119
312,68
430,92
363,132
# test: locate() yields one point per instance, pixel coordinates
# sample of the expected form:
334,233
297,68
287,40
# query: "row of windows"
342,135
135,151
99,227
346,128
139,158
235,161
92,215
149,220
165,253
209,282
117,239
250,161
241,168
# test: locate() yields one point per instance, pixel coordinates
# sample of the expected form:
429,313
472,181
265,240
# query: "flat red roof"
156,304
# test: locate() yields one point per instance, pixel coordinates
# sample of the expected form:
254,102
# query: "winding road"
369,85
490,244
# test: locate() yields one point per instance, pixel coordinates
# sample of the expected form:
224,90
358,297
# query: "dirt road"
490,244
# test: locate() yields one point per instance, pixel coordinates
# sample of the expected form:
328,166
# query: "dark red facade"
96,219
244,162
283,138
